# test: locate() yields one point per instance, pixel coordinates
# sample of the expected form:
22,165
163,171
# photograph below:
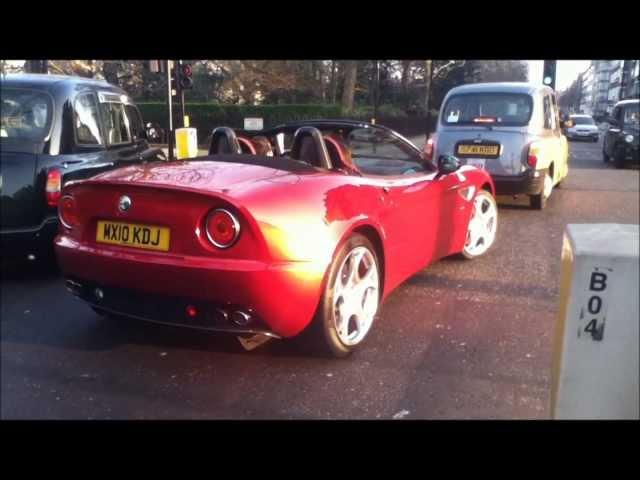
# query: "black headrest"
224,140
309,147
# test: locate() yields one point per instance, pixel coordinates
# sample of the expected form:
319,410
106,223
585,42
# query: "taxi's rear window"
26,115
506,109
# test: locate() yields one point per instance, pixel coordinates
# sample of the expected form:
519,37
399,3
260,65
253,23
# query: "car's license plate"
476,162
133,235
489,150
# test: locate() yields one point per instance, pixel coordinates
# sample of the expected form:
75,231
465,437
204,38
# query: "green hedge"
206,116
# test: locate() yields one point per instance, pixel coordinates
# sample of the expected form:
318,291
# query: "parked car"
314,232
512,130
582,127
55,129
621,138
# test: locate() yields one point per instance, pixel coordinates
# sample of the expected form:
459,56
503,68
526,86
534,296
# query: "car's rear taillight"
429,148
67,211
532,156
53,189
222,228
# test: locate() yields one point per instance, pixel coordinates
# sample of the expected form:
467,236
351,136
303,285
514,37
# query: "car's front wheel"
483,225
619,157
351,297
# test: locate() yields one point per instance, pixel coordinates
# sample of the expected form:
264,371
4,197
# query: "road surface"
458,340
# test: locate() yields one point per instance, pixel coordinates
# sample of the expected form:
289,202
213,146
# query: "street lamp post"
170,106
376,93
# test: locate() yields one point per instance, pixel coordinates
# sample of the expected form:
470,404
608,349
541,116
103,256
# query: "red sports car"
310,224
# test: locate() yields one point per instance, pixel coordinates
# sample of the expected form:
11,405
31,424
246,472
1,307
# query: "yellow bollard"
186,141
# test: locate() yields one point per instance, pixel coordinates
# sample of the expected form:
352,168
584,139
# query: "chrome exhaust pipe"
240,318
73,287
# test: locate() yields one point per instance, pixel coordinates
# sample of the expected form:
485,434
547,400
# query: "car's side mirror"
448,164
153,132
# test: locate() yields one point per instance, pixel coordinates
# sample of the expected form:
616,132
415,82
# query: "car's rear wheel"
483,225
351,297
538,202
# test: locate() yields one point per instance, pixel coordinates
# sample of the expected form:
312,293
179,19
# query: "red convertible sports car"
310,224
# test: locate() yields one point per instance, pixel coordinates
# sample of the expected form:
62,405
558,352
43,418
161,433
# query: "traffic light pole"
170,106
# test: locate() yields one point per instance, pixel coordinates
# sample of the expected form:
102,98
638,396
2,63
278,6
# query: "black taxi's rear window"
507,109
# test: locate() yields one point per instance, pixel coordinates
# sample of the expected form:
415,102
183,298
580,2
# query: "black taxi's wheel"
619,157
483,225
350,299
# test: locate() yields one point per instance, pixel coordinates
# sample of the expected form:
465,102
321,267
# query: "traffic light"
185,73
549,73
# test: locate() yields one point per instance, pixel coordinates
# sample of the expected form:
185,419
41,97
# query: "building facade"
605,83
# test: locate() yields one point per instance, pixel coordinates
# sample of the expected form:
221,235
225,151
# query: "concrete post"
595,353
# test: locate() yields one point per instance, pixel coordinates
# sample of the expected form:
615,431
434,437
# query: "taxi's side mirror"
448,164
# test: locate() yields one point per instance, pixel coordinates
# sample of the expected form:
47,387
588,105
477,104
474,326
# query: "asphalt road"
458,340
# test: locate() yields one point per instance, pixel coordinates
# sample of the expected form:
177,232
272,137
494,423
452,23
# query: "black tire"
322,331
618,157
539,201
605,157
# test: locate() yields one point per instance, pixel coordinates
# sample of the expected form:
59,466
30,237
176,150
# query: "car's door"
124,145
550,136
562,153
418,206
84,152
612,132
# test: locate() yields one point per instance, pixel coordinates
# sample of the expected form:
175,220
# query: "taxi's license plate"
133,235
489,150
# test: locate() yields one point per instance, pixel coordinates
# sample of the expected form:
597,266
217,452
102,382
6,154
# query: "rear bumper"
586,136
526,184
37,240
282,297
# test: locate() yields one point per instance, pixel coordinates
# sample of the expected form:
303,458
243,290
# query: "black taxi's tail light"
222,228
53,189
67,211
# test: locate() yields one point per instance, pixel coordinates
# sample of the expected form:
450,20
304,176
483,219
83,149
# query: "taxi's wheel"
538,202
351,297
481,232
618,157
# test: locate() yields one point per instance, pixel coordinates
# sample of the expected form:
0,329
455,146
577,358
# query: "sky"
566,71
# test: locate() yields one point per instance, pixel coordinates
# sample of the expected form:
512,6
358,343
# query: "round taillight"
67,212
222,228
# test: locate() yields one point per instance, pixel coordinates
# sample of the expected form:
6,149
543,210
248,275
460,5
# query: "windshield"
508,109
582,120
26,115
632,115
